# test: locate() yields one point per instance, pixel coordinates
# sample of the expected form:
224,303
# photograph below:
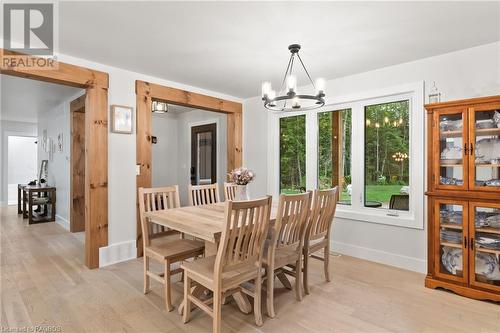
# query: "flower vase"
241,193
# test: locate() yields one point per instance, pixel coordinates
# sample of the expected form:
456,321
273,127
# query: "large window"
370,145
386,155
293,154
334,152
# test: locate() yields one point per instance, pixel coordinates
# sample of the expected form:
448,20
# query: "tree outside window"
387,155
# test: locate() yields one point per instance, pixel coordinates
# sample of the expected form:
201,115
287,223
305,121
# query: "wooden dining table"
205,222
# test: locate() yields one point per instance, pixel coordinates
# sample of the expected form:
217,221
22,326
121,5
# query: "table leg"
196,291
242,302
25,211
284,280
19,198
53,205
30,207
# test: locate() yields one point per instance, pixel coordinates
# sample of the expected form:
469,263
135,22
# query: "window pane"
293,154
387,155
334,152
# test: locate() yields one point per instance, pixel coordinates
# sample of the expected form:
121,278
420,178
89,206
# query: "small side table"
39,195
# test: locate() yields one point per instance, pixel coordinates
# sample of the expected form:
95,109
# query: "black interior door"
204,154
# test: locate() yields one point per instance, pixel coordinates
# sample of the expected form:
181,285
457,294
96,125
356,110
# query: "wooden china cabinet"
464,197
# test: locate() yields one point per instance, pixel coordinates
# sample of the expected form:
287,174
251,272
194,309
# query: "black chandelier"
289,99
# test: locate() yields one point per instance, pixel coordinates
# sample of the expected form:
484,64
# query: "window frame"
414,93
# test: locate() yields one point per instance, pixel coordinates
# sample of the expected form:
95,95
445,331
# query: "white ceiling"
231,47
24,99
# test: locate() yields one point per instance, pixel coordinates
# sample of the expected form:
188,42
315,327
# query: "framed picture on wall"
121,119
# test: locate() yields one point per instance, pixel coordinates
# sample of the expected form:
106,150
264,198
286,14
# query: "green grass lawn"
381,193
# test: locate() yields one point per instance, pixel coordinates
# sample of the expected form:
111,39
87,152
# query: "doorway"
21,163
96,84
146,92
204,154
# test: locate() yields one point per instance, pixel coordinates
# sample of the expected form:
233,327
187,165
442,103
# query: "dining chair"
203,194
229,191
165,252
318,231
238,260
285,246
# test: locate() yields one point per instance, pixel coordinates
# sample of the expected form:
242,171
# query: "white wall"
172,154
10,128
164,164
463,74
57,121
22,163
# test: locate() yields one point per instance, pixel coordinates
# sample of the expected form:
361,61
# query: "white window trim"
413,92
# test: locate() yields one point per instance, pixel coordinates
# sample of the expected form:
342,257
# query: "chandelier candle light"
289,99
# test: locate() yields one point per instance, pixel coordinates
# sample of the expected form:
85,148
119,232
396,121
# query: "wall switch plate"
138,169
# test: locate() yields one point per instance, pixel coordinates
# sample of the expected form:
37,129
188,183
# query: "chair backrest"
243,236
400,202
203,194
154,199
291,221
323,211
229,191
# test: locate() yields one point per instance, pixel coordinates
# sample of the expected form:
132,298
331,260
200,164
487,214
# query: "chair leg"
306,272
187,303
146,276
270,292
217,312
257,303
298,279
168,301
326,263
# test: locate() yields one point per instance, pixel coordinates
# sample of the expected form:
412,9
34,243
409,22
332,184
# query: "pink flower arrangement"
241,176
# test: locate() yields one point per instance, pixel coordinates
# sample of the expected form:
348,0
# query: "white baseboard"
62,222
382,257
116,253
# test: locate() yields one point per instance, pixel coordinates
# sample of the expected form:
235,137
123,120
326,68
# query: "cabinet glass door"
451,239
450,160
485,245
484,149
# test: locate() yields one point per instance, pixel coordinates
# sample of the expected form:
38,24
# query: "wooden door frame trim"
75,106
145,93
96,84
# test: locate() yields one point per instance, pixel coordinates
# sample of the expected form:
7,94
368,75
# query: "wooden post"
96,175
143,147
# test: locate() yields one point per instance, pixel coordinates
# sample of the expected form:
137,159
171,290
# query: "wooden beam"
234,140
62,73
187,98
143,151
96,173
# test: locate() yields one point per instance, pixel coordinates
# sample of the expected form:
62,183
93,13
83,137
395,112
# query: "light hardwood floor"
44,282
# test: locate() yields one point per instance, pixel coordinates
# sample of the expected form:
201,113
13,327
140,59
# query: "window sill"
380,216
